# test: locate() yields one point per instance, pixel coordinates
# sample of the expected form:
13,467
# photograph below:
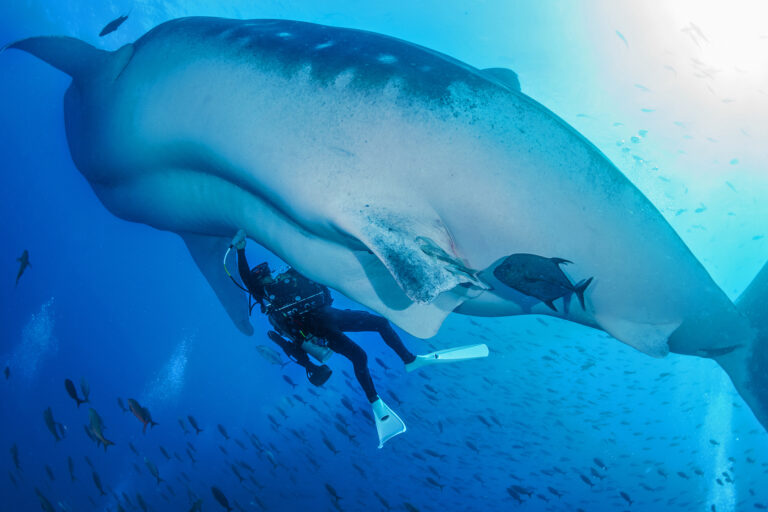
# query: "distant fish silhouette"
51,423
220,498
113,25
141,413
193,422
72,392
23,264
85,388
95,429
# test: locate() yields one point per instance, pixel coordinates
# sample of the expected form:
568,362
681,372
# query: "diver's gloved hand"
239,241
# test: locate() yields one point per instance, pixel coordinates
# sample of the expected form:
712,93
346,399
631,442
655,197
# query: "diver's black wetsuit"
330,324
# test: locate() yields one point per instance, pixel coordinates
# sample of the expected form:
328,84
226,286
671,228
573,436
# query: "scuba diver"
300,310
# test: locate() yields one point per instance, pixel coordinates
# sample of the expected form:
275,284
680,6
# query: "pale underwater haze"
558,417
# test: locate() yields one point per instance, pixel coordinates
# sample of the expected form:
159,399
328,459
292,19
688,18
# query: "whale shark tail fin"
72,56
748,368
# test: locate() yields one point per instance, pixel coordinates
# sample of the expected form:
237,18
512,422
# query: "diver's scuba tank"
313,348
317,375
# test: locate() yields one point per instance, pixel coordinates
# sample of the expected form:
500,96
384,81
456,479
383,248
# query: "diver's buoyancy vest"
292,295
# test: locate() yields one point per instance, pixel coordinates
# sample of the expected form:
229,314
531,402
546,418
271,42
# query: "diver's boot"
388,424
448,355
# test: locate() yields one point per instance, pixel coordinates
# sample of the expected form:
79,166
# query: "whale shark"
386,171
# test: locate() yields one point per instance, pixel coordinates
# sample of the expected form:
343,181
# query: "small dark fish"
327,442
49,471
586,481
15,456
71,466
141,502
44,503
89,462
113,25
183,427
599,463
332,492
221,498
165,453
431,481
237,473
153,470
51,423
193,422
121,405
554,492
97,483
521,490
409,507
141,413
72,392
540,277
223,431
289,381
346,403
133,448
23,264
7,372
85,388
626,497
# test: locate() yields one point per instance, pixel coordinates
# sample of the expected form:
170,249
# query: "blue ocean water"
559,417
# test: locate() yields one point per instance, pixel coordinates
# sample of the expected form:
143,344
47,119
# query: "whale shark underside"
387,171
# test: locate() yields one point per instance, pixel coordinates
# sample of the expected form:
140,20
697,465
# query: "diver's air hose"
226,255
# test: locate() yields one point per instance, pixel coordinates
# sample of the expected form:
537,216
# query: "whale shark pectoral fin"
207,251
650,339
420,275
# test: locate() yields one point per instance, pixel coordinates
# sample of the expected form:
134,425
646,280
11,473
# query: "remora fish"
113,25
141,413
72,392
498,174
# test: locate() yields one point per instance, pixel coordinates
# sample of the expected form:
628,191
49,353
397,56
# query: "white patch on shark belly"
650,339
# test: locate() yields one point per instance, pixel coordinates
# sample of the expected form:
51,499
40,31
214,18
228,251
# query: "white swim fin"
388,424
449,355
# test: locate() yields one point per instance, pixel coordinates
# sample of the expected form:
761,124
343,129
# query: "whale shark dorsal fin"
503,76
207,251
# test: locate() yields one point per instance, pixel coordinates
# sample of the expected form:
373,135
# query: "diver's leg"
347,320
352,351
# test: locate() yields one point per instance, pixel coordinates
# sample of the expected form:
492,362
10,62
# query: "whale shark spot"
284,34
387,59
326,44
